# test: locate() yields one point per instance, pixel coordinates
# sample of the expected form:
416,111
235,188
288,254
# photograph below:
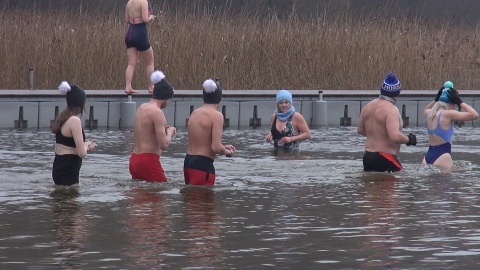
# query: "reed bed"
244,51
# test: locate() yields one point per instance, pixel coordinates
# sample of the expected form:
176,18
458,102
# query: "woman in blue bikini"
288,127
440,115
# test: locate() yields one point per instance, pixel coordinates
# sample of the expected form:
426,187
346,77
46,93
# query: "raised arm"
428,108
469,113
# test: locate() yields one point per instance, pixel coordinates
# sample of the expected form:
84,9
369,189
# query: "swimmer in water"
440,115
287,127
70,144
380,121
152,135
137,15
205,128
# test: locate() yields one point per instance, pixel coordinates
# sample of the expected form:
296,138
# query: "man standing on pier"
380,121
151,132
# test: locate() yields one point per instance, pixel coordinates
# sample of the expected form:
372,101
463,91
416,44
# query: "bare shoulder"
298,116
216,114
73,120
154,111
394,108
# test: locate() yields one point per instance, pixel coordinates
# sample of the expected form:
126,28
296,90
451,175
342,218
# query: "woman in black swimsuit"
288,127
70,144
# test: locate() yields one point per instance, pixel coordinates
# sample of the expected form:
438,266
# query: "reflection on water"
201,231
147,228
382,212
70,228
311,209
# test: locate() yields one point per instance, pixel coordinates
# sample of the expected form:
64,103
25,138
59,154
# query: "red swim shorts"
147,167
198,170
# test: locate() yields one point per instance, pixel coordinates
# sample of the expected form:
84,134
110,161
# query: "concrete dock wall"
241,108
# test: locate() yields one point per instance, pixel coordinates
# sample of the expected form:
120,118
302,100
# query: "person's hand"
90,145
170,129
286,140
454,97
231,150
439,93
268,138
412,139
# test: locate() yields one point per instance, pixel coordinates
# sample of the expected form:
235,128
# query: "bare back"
136,11
381,122
205,127
445,124
149,129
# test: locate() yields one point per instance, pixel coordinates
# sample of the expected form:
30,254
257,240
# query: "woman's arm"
269,138
302,127
428,108
75,125
469,113
127,18
146,17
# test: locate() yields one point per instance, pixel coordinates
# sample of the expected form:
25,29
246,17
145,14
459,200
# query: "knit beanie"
390,86
212,92
446,89
284,95
162,89
75,95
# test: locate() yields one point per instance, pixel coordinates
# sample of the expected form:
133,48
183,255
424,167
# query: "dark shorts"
136,37
380,162
66,169
147,167
198,170
434,152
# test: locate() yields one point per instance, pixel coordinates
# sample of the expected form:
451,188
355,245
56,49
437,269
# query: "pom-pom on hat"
390,86
212,92
76,97
162,90
446,89
284,95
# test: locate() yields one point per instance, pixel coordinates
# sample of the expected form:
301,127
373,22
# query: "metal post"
30,78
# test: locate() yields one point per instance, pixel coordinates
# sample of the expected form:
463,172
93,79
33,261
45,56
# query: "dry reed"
246,52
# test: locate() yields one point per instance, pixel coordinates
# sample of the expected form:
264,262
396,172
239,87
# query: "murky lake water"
315,209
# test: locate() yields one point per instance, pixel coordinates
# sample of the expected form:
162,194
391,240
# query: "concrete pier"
241,108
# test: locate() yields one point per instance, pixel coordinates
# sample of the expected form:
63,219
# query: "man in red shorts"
205,128
151,132
380,121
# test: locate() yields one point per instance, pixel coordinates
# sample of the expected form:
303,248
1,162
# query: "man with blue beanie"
380,121
440,115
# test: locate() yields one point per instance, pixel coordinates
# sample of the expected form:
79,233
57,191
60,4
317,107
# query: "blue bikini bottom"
434,152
